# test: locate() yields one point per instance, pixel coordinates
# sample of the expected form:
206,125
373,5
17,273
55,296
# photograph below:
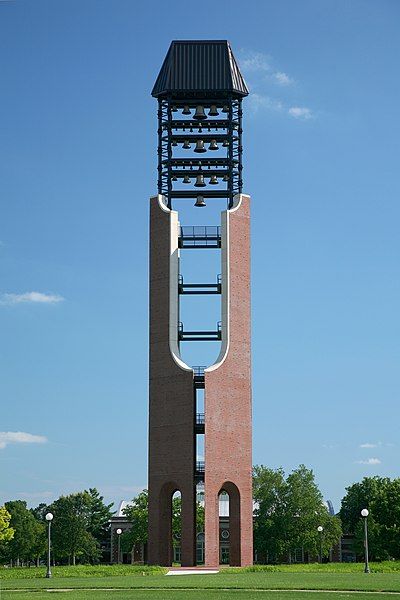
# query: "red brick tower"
199,91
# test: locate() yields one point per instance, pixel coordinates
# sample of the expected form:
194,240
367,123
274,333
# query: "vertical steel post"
48,573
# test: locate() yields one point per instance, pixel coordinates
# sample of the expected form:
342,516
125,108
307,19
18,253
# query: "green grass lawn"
140,583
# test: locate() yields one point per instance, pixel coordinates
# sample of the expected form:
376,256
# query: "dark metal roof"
199,66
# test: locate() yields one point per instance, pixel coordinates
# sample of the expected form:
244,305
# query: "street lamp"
364,514
119,531
49,518
320,529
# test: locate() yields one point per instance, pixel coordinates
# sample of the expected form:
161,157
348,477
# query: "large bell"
186,145
199,114
213,145
200,146
186,179
200,181
186,110
213,180
213,112
200,201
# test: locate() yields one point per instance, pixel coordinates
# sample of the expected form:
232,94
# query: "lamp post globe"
119,531
320,529
49,517
364,514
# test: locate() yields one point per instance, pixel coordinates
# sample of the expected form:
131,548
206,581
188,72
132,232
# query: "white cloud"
369,461
282,78
368,445
30,297
20,437
300,112
258,101
252,62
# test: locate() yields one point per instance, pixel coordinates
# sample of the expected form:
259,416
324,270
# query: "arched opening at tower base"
229,544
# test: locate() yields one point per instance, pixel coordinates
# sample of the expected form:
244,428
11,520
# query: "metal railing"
199,370
200,467
200,419
200,236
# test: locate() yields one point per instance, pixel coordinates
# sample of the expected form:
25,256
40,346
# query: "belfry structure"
199,91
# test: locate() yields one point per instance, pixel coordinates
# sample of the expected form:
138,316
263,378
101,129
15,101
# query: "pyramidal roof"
199,66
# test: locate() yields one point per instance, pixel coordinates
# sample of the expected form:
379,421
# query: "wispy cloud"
368,445
254,62
30,297
369,461
20,437
258,102
300,112
282,78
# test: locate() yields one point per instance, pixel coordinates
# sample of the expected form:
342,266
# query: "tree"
99,516
22,521
137,514
6,531
290,509
381,496
70,529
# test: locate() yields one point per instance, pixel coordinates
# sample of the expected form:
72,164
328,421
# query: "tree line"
79,532
288,511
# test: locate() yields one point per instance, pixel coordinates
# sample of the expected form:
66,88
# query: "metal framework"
178,176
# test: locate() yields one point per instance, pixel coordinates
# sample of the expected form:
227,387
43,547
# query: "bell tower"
199,91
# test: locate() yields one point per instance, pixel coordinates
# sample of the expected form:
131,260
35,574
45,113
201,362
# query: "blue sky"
77,165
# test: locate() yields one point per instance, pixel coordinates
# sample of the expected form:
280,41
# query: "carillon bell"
225,109
174,178
200,146
186,110
186,179
186,145
174,143
213,145
174,109
213,112
225,178
200,181
200,201
213,180
199,114
225,143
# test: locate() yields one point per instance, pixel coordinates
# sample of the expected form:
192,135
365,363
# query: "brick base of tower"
172,409
228,430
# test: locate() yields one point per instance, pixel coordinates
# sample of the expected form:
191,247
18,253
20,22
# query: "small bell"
174,109
225,178
225,109
186,110
200,201
200,146
225,143
174,143
186,179
186,145
213,145
200,181
174,178
213,112
199,114
213,180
